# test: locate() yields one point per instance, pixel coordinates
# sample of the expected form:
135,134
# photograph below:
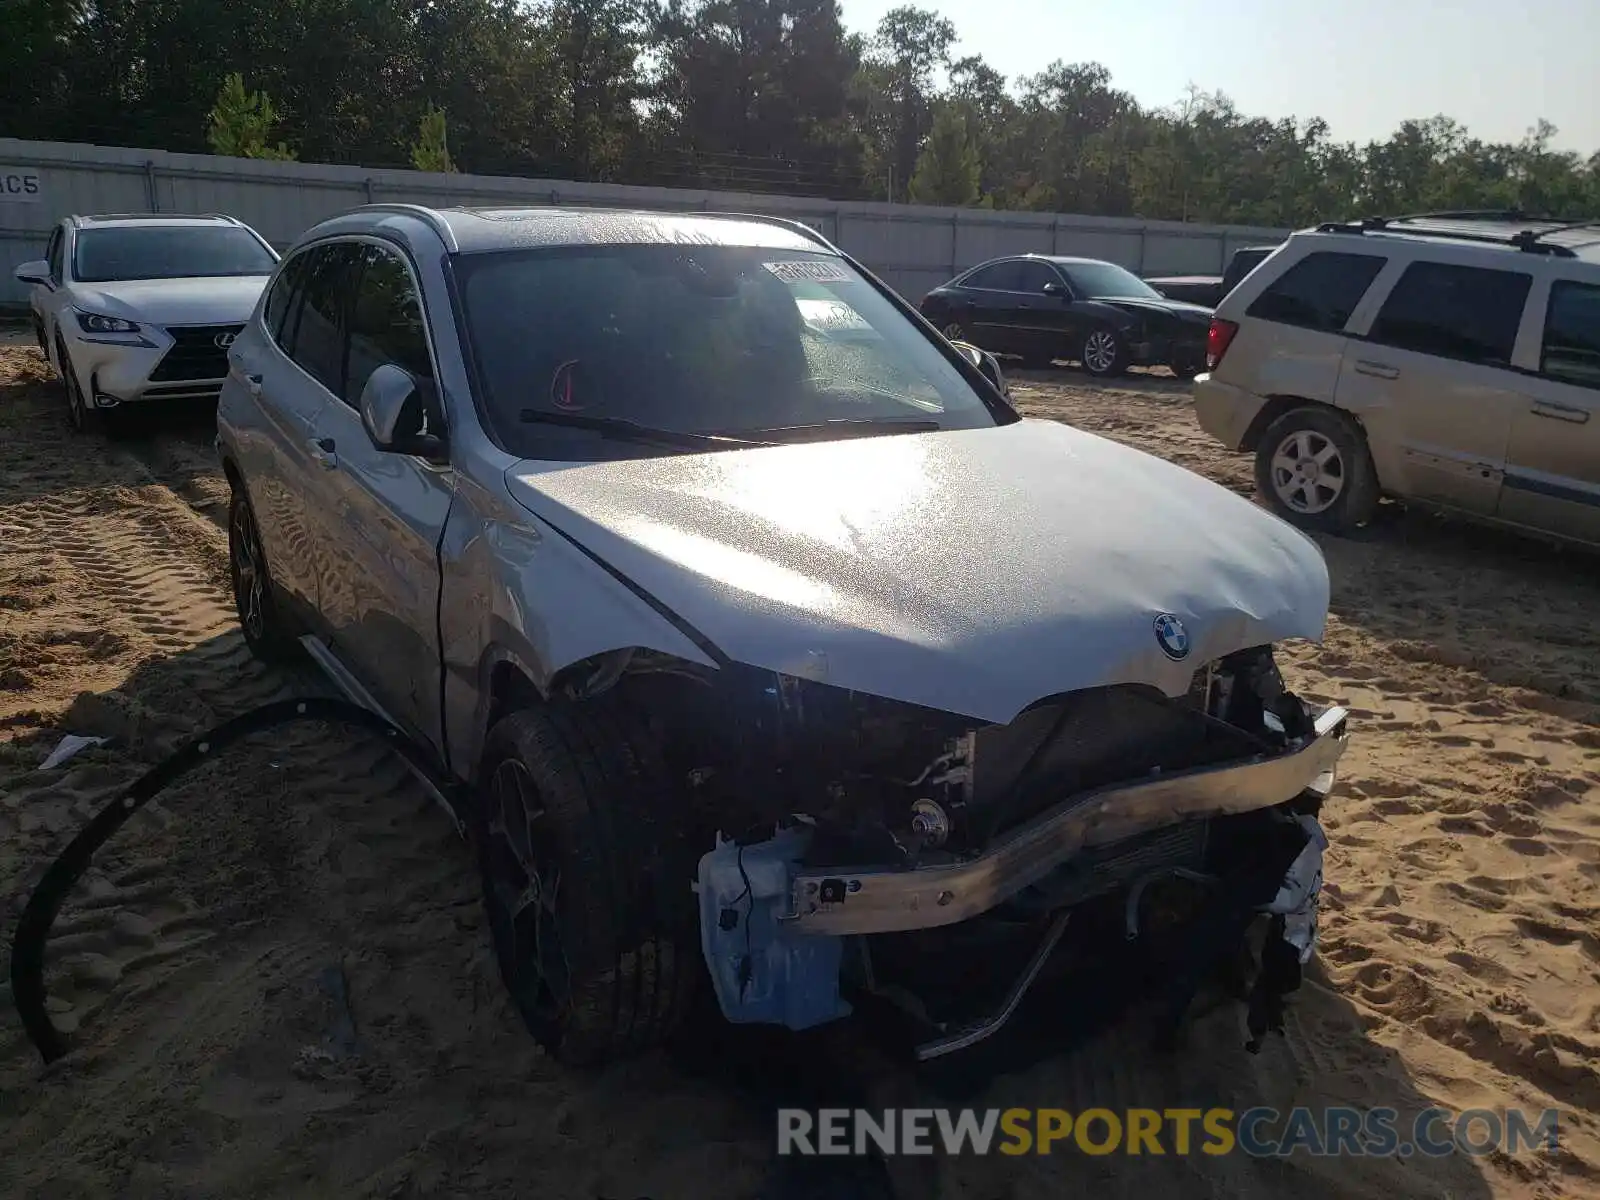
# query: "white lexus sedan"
132,309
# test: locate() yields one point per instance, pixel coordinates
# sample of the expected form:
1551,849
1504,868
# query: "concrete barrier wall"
912,247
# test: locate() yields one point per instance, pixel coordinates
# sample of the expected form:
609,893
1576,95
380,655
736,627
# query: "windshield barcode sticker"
809,271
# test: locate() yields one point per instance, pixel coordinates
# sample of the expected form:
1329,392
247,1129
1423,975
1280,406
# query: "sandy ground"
202,964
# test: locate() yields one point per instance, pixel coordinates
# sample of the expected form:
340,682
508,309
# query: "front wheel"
265,631
586,876
84,418
1315,470
1187,365
1104,353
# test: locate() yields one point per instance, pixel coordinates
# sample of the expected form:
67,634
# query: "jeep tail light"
1218,339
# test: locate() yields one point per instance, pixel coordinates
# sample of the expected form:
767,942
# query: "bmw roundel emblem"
1174,638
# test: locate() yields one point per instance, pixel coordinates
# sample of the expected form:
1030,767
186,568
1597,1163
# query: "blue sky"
1362,65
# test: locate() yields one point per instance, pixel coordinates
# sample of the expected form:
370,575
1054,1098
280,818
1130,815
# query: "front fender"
518,594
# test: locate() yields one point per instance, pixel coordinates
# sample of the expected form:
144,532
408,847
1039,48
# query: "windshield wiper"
849,426
631,431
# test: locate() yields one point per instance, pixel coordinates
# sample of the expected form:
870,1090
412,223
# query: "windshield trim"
77,245
457,264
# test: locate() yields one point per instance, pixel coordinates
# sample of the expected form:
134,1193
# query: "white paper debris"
67,747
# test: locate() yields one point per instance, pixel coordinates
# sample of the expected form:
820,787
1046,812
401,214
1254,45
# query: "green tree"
431,150
897,85
947,172
241,123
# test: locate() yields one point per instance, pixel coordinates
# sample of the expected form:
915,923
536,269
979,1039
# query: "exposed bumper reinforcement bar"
886,900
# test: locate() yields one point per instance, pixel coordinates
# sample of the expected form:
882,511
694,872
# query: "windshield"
1108,279
168,252
749,343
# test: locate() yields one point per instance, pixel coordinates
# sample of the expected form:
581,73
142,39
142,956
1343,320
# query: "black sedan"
1042,308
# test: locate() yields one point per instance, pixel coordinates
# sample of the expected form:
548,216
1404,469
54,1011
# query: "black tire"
1103,352
606,969
1187,366
266,632
84,418
1313,467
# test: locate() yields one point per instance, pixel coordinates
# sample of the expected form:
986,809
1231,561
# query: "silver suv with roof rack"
1451,360
135,308
758,627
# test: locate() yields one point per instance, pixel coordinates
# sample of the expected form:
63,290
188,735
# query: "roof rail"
1525,240
793,226
421,212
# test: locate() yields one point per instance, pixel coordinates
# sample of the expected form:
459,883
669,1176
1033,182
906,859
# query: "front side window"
1032,276
1571,351
119,253
52,254
734,341
1319,292
1466,313
385,322
1107,280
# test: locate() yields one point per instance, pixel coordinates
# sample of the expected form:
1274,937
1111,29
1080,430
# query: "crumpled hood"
1177,310
974,571
227,301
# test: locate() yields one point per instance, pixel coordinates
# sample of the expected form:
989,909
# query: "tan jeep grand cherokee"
1450,360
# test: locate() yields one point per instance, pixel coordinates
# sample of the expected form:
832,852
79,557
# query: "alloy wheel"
1100,351
249,583
77,409
954,331
1308,472
524,889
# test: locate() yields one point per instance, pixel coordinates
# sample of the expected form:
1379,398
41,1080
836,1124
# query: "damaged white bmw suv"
767,641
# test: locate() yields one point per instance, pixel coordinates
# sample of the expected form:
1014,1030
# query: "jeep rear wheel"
1314,469
586,880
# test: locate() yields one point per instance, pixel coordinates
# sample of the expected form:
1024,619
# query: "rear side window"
385,323
1318,292
1571,351
285,292
1465,313
319,337
1001,277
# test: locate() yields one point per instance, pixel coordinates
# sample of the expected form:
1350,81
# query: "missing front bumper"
895,901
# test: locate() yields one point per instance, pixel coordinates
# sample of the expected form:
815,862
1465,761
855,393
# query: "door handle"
252,379
1379,370
1560,412
322,452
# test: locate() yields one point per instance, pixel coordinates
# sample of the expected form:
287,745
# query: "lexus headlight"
95,323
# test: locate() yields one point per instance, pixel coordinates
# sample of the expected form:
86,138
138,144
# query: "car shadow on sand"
1517,611
193,967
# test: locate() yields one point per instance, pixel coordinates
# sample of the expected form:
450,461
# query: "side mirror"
393,414
987,363
1054,289
37,271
